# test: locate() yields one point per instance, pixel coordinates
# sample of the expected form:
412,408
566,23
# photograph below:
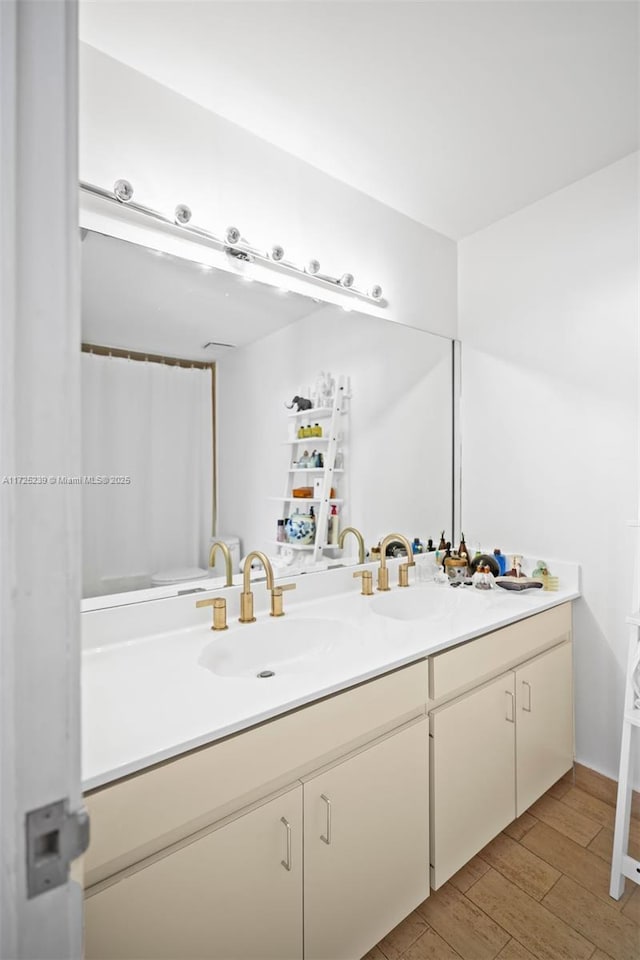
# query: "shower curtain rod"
101,351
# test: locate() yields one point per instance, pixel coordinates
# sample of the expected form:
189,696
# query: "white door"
366,845
233,894
39,438
544,728
473,792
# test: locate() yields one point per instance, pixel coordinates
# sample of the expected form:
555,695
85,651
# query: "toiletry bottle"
501,561
416,546
281,536
443,543
333,527
430,546
307,431
462,549
516,566
317,430
301,433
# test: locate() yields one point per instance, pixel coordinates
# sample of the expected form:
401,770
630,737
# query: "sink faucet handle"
403,573
367,582
219,605
277,609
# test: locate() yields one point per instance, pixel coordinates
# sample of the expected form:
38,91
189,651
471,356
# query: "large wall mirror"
186,371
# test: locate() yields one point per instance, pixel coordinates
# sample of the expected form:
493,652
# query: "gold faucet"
246,597
403,569
359,538
227,559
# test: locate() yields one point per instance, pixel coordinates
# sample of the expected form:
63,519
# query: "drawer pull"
511,714
527,708
326,838
287,863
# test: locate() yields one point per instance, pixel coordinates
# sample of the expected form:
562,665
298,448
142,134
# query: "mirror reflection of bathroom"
188,376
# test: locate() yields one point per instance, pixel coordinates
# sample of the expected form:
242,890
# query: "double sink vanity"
293,787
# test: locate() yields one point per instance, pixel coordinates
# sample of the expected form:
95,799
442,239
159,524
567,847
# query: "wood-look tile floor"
539,891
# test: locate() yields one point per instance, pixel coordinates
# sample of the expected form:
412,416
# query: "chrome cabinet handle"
527,709
287,863
326,838
511,708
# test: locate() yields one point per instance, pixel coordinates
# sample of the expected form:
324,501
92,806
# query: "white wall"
398,444
549,323
173,150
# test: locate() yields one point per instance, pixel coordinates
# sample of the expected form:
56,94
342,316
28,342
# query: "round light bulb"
182,213
346,280
123,191
277,252
375,292
232,235
313,267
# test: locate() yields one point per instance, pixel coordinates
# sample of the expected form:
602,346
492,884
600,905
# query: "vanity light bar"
233,243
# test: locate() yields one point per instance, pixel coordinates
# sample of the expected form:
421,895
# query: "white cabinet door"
366,861
544,728
472,774
227,895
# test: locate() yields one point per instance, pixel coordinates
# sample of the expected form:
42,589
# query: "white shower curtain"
152,423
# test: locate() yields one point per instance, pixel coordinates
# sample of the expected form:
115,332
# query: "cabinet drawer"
135,817
470,663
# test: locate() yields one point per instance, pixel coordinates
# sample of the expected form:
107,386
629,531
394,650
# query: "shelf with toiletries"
314,412
312,512
313,470
306,440
304,500
293,546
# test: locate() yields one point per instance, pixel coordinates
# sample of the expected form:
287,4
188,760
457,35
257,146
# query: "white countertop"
148,694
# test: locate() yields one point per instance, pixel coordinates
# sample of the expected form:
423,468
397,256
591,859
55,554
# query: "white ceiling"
454,113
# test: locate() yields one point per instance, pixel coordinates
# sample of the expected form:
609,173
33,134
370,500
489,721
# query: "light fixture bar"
122,195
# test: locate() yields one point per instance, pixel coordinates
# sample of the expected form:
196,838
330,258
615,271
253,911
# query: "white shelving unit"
332,421
622,863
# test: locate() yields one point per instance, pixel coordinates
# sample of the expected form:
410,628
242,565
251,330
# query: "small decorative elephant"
300,403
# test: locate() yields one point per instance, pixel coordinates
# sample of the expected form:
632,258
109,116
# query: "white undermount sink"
416,603
276,647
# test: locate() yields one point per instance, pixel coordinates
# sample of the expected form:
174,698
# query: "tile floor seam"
480,910
570,875
433,930
586,815
442,937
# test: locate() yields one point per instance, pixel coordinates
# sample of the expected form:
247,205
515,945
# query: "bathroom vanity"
306,814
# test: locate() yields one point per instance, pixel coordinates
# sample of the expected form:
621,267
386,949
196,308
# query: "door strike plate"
55,837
